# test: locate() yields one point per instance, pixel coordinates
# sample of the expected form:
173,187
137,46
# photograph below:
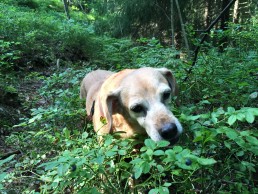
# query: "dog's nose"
169,131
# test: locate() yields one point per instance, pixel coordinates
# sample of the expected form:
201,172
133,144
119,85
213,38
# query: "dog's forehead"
144,83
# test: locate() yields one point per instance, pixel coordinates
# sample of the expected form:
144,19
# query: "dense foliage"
52,148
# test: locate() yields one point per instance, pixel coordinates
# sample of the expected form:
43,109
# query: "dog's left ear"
111,99
170,78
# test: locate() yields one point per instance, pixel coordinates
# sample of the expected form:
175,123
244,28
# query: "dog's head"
144,95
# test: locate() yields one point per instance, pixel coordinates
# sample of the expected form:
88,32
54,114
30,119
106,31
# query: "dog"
132,102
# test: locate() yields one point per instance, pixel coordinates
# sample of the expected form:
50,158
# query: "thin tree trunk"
225,16
183,28
172,24
207,14
236,12
66,9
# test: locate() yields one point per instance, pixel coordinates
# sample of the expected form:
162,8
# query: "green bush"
217,152
44,37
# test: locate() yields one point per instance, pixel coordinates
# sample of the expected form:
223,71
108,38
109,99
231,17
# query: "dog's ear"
170,78
111,99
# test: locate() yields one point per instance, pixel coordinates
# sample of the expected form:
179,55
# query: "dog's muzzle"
169,132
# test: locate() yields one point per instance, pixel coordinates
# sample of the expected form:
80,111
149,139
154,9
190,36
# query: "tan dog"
132,101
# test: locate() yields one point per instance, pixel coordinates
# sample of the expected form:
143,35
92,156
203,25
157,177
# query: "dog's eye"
166,96
137,108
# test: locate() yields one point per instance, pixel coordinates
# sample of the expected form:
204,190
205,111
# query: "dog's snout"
169,131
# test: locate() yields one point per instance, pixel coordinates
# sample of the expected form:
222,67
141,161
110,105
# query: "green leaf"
249,117
192,117
110,153
162,143
240,153
255,111
252,140
231,110
159,153
122,152
99,160
62,169
232,119
85,135
137,172
146,167
177,149
160,168
240,116
150,144
232,134
227,144
153,191
149,152
2,176
206,161
6,160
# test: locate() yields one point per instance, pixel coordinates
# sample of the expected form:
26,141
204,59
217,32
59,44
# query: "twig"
205,35
9,154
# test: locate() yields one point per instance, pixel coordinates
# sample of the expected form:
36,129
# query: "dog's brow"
164,88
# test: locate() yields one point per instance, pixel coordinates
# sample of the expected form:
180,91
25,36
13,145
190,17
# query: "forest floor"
15,106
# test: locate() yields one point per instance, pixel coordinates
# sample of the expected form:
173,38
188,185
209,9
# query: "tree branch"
205,35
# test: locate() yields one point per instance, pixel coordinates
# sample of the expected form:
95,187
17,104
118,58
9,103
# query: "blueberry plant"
60,153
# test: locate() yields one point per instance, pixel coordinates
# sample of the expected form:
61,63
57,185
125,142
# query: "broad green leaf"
153,191
167,184
122,152
6,160
240,116
159,153
162,143
110,153
145,167
255,111
163,190
160,168
249,117
99,160
252,140
137,172
177,149
245,133
85,135
232,134
206,161
62,169
150,144
108,141
227,144
232,119
192,117
240,153
231,110
2,176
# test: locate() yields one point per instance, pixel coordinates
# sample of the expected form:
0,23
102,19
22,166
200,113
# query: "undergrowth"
60,153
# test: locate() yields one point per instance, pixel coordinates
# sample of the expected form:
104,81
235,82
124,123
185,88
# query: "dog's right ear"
170,78
111,100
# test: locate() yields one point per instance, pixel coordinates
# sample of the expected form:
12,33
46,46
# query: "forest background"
47,47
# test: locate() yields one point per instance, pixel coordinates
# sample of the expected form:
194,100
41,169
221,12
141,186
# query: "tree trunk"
172,23
66,9
207,13
236,12
183,28
225,17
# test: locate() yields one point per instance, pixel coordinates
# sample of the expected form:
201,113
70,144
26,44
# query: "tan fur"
115,93
91,85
